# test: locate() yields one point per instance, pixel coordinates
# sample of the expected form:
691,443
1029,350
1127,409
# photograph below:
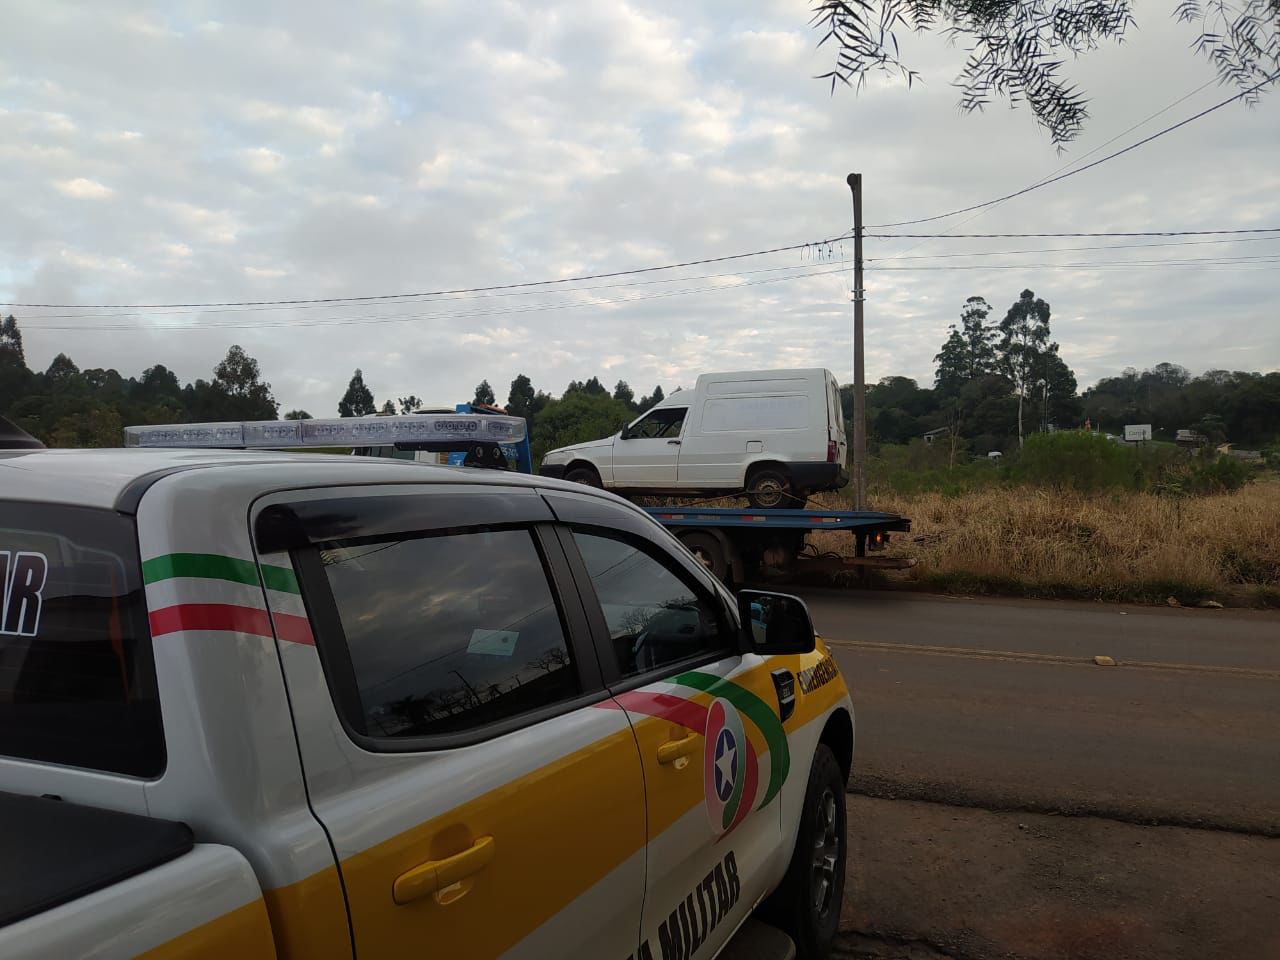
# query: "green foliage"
1016,50
577,417
484,395
622,391
1087,462
1240,407
67,407
918,467
1207,472
358,400
969,351
409,404
298,415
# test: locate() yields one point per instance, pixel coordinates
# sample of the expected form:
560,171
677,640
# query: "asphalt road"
998,704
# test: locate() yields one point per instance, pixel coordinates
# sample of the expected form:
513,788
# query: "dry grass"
1131,546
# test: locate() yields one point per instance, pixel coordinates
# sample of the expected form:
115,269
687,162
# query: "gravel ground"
930,881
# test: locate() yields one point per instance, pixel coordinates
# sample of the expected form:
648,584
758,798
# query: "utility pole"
859,373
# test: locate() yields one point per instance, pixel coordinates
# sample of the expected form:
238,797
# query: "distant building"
937,434
1189,438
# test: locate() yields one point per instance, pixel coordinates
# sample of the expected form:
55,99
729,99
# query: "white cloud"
83,188
262,160
387,149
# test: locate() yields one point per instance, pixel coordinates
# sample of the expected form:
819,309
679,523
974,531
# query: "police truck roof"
99,478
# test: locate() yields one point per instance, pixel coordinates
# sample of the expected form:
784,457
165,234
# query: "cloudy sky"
196,152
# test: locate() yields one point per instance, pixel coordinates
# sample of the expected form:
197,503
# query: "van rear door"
835,420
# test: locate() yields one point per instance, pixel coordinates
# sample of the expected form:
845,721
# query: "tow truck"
738,545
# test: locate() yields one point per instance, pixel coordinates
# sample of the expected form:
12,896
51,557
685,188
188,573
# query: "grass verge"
1115,546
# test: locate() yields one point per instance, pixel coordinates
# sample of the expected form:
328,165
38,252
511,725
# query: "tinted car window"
77,680
655,618
448,633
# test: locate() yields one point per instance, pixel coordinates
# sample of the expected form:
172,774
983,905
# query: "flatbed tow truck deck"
736,544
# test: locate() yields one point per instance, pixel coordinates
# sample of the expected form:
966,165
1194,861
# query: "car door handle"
675,442
673,750
435,875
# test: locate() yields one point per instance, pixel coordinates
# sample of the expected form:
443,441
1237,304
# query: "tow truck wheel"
770,489
710,553
585,476
807,903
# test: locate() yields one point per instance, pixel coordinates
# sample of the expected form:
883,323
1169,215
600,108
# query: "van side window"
448,633
77,679
655,617
660,424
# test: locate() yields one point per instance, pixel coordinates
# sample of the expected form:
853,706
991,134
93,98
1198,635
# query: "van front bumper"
553,470
812,477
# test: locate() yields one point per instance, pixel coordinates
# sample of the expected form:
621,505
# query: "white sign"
1133,432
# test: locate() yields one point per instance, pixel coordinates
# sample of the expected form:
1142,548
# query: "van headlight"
556,456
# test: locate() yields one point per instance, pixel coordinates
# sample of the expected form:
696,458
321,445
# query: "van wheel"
807,903
769,489
586,476
710,553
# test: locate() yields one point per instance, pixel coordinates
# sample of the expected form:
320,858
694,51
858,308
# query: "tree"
622,391
1059,404
388,409
11,338
15,378
520,396
1017,47
238,377
409,404
969,351
62,371
576,417
1024,335
650,401
484,395
358,400
298,415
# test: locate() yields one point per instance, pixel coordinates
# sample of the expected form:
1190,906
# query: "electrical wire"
1099,233
1089,166
401,318
1102,146
430,293
1104,246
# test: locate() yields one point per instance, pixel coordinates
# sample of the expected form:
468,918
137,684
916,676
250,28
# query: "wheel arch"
578,463
837,735
764,463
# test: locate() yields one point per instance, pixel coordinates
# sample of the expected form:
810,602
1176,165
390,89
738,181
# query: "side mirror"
625,433
775,622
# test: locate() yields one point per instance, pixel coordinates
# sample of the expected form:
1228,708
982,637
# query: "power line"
404,318
1102,146
1094,265
452,299
1089,166
430,293
1099,233
1105,246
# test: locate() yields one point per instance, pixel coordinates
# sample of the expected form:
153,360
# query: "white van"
776,434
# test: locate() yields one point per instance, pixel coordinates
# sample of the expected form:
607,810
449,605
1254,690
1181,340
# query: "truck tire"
770,489
807,903
710,553
586,476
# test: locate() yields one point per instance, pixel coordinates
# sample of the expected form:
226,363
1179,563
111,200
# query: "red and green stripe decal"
238,618
693,716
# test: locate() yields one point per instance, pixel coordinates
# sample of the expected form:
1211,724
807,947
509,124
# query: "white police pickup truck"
260,704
